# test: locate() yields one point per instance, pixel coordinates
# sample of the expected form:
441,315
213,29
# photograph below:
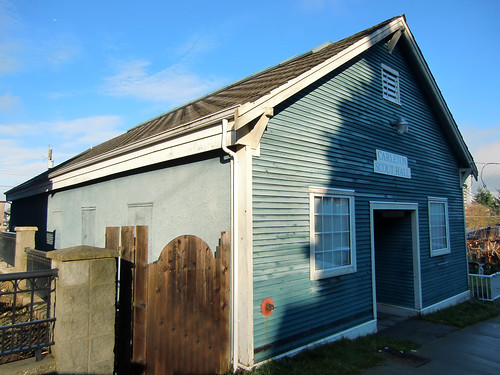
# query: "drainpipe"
234,245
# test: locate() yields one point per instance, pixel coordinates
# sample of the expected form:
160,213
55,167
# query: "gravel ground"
6,314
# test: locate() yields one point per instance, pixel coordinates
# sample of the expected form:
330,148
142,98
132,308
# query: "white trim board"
203,140
407,312
362,329
249,111
415,240
455,300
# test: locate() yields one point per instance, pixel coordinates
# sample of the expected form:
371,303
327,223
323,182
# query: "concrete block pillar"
84,332
25,237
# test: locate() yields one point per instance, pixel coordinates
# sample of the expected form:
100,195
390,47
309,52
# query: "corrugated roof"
244,91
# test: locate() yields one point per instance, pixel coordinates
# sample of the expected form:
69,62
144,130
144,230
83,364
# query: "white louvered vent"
390,84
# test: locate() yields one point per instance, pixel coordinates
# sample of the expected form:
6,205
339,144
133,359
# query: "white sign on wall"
391,164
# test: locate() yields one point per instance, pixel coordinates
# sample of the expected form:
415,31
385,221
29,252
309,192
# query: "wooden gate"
130,345
181,308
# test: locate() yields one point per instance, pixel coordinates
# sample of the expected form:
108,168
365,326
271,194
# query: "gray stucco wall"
189,198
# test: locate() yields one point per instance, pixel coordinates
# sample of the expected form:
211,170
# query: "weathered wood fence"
178,306
188,308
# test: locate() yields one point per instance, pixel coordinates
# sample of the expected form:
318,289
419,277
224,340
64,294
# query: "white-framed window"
438,226
332,232
390,84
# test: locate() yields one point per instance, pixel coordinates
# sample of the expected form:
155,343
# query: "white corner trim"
249,111
409,312
455,300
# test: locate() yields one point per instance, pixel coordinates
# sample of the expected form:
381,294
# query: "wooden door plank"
140,295
112,238
187,307
128,244
171,327
224,365
152,338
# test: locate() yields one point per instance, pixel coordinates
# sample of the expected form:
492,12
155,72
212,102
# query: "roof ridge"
235,83
265,70
245,90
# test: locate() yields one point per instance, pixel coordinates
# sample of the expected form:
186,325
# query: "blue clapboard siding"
327,136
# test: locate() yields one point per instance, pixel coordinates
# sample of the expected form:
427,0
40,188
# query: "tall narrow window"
438,226
333,250
390,84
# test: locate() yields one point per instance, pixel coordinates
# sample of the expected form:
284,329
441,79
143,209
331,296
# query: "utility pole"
50,161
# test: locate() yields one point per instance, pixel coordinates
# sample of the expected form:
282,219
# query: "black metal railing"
8,247
36,260
26,320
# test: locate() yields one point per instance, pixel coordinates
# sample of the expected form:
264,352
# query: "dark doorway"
396,260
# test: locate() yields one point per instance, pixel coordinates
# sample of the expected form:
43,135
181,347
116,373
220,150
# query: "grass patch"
351,356
340,357
465,314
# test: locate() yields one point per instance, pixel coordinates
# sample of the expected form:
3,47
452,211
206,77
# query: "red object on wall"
267,306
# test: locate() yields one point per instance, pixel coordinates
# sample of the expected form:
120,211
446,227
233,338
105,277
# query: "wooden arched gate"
180,308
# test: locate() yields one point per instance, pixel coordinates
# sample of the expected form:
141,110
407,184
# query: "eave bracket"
394,40
251,133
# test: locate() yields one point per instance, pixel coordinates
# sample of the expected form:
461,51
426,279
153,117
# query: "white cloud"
19,163
67,138
58,50
82,133
484,144
174,85
488,152
27,46
22,157
18,130
13,153
9,103
9,61
476,137
196,45
10,43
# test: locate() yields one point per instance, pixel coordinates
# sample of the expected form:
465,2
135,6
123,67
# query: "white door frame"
417,287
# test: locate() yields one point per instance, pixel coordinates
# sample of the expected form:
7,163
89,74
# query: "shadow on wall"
32,212
325,136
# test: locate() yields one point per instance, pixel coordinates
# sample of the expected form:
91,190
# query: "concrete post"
25,237
2,212
84,332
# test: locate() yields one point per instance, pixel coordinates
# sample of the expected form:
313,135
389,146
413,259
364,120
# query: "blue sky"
76,73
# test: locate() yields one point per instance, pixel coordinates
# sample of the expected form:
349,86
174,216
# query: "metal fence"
485,287
27,321
36,260
8,247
